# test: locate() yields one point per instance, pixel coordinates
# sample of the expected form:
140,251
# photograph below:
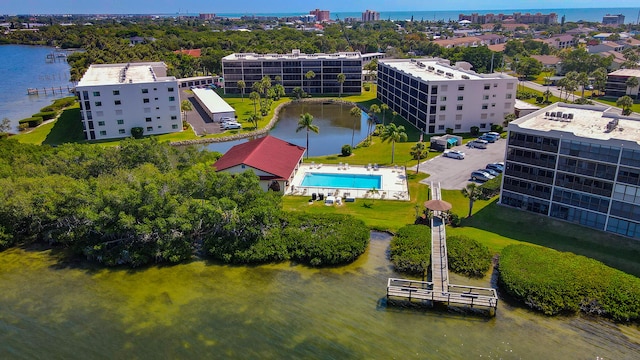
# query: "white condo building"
435,96
114,98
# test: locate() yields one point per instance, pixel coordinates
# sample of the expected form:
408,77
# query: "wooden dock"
439,291
50,90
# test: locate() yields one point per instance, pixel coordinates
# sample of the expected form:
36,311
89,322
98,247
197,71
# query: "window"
495,85
145,91
440,127
116,92
149,128
170,89
458,126
118,102
174,126
96,93
459,117
460,87
483,126
156,99
172,98
100,123
147,119
509,96
460,98
485,106
103,133
443,108
443,98
493,105
121,131
120,122
485,97
487,86
173,117
145,100
459,107
98,103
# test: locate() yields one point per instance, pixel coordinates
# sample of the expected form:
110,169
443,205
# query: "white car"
454,154
227,119
477,143
231,125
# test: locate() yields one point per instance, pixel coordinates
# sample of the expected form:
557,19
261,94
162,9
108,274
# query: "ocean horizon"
573,15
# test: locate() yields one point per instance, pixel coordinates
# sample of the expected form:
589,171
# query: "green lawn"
67,128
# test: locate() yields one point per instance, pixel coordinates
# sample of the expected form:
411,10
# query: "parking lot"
454,174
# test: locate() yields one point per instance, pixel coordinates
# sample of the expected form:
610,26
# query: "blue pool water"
341,181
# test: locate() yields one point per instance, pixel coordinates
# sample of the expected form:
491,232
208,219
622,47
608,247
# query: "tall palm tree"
417,151
254,96
306,123
626,103
384,108
373,110
599,76
241,86
583,80
394,134
309,75
185,106
356,112
632,82
473,193
341,79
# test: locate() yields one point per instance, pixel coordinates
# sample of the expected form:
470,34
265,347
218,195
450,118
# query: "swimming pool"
342,181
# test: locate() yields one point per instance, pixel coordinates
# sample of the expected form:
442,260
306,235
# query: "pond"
336,126
284,311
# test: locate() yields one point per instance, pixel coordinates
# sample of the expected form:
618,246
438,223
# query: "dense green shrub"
23,126
491,188
46,115
475,131
137,132
346,150
497,128
32,121
558,282
4,135
454,220
366,86
410,249
330,239
449,131
467,256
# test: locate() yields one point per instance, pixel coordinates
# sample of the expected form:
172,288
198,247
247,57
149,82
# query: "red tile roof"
268,154
191,52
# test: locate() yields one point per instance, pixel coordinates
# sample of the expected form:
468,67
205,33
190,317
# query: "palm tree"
185,106
626,103
473,192
306,123
341,79
417,151
356,112
241,86
373,110
599,76
384,108
583,80
309,75
298,92
254,118
394,134
632,82
254,96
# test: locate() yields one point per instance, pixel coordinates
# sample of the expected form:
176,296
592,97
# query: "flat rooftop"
586,121
212,101
431,69
626,72
293,56
130,73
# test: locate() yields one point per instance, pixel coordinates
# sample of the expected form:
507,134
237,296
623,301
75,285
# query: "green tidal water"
281,311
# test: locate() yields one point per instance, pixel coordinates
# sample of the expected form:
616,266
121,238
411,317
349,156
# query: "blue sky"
282,6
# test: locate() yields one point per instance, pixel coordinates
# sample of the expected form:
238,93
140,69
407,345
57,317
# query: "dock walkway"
438,290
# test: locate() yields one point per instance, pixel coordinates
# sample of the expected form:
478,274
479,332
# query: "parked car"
488,138
477,143
231,125
588,87
494,134
495,167
454,154
481,176
225,119
490,171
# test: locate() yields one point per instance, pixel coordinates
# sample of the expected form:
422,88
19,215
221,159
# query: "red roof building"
275,161
191,52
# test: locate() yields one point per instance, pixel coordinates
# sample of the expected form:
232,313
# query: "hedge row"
410,249
59,104
467,256
46,115
32,121
558,282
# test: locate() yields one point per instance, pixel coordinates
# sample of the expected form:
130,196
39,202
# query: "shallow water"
284,311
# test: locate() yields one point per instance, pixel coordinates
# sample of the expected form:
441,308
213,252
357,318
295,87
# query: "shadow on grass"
615,251
68,128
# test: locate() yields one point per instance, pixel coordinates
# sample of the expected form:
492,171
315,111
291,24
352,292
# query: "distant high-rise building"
613,19
370,15
518,18
207,16
321,15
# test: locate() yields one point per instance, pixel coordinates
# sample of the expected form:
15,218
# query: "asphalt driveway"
455,174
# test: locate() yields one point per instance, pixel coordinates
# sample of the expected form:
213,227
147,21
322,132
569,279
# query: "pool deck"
393,179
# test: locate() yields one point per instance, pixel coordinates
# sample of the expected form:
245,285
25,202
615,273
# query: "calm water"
283,311
25,67
335,123
352,181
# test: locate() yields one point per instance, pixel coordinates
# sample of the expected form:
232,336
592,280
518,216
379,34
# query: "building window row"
582,201
579,216
588,168
529,172
625,210
590,151
527,188
531,157
629,176
630,158
627,193
624,227
525,203
588,185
